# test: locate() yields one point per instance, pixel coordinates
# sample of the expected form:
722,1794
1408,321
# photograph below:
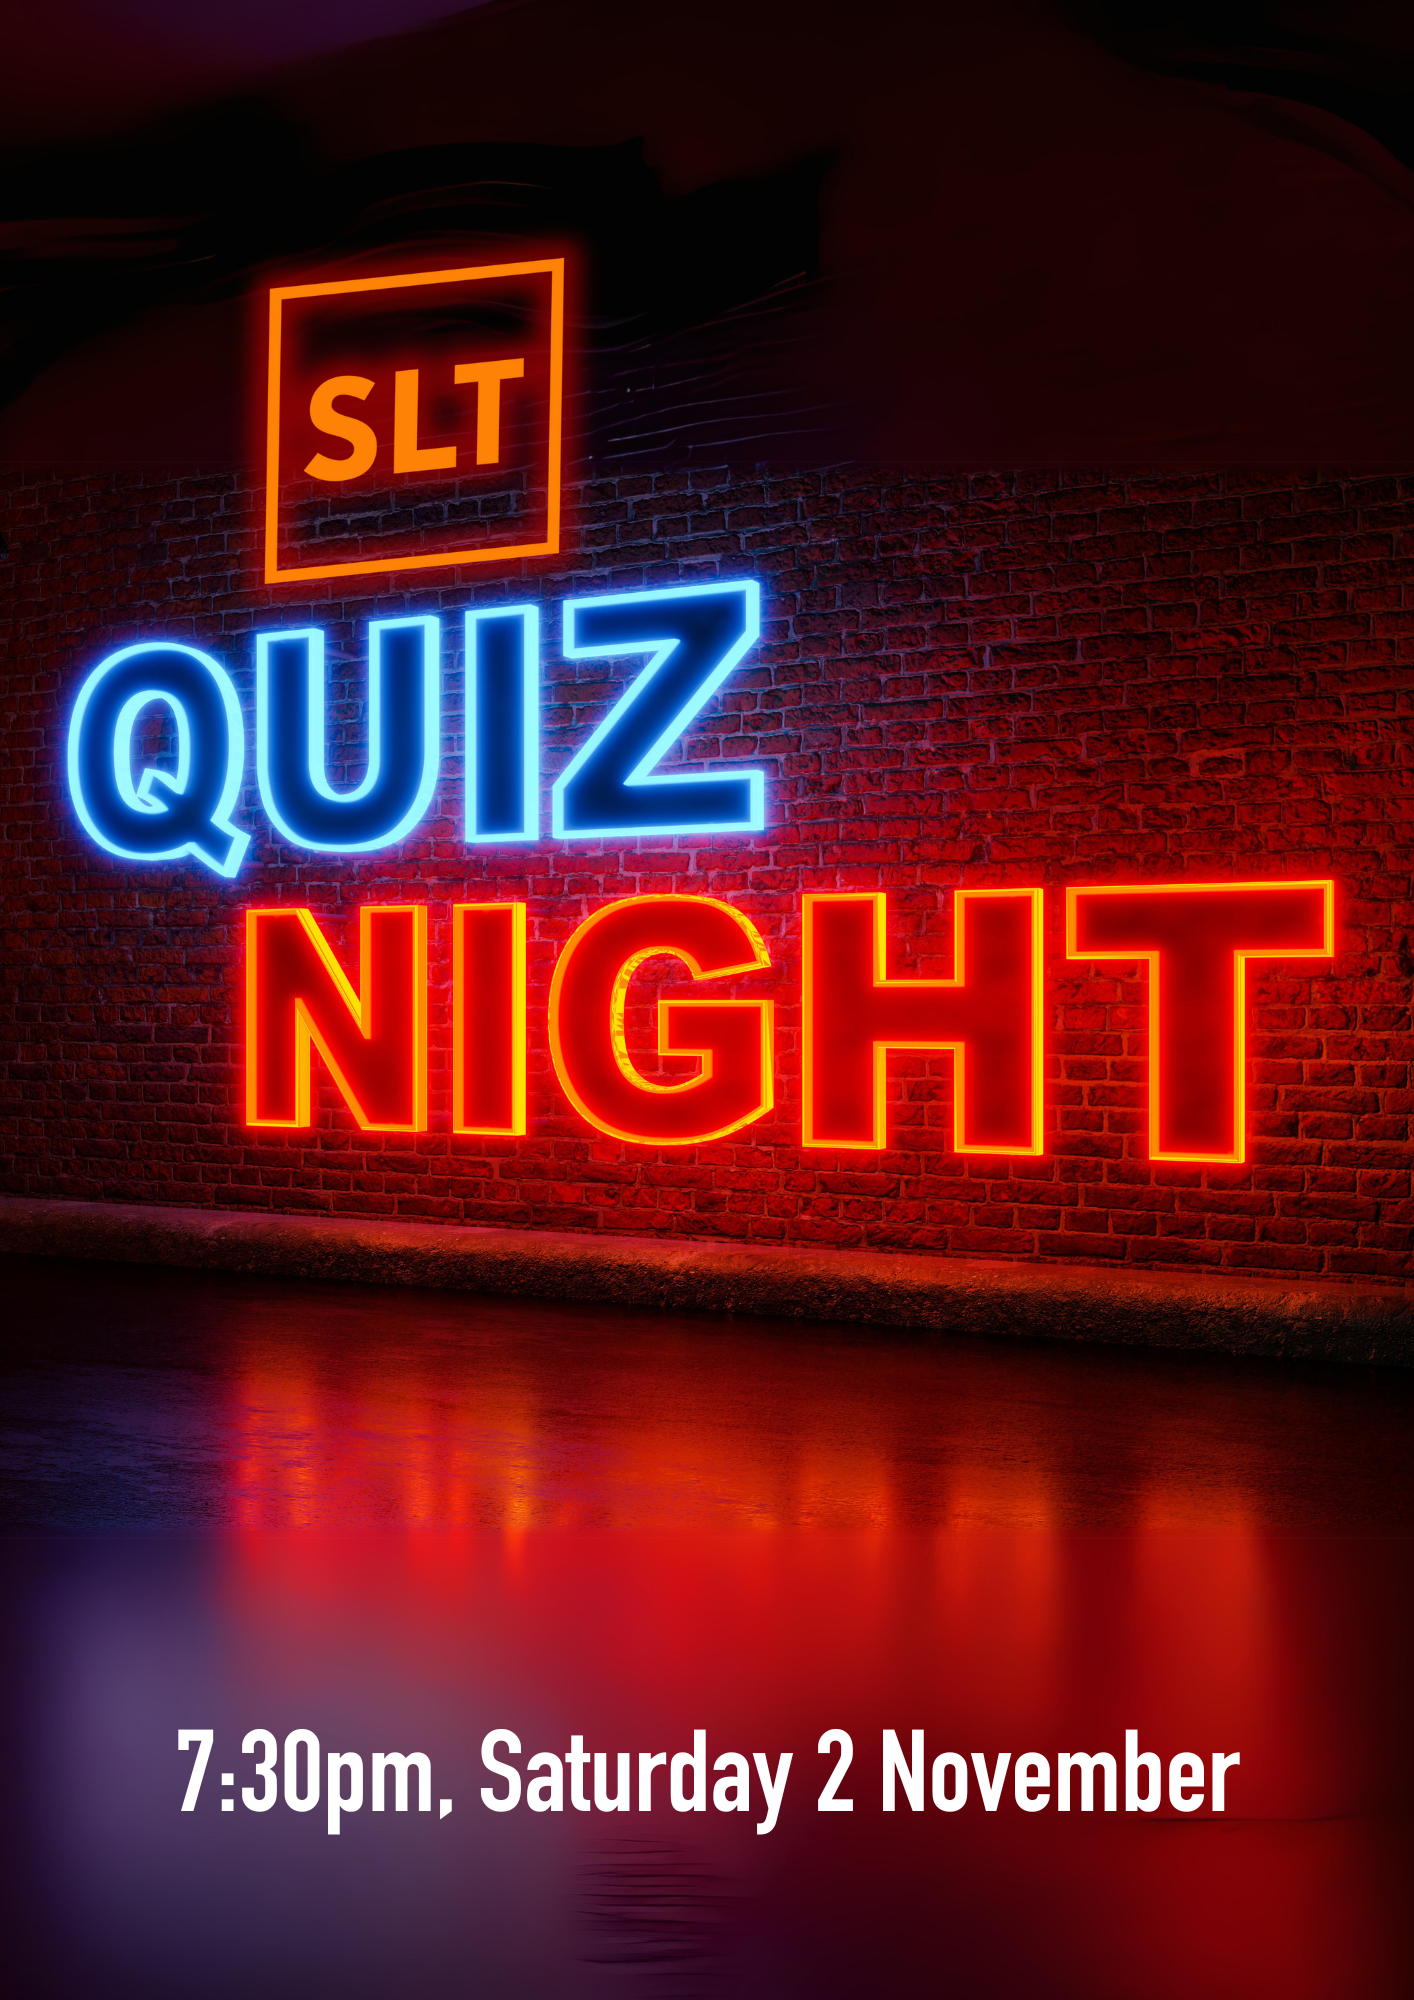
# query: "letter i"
488,1019
502,724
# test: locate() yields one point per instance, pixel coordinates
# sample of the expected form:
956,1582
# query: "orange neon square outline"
1150,961
878,1142
555,267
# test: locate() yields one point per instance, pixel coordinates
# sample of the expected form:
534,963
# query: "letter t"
1197,938
488,377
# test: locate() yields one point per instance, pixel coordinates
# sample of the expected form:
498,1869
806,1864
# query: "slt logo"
414,420
689,640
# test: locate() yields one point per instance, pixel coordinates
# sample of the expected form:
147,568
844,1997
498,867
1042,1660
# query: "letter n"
988,1016
374,1041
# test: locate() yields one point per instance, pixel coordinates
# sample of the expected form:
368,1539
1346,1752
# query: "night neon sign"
1195,938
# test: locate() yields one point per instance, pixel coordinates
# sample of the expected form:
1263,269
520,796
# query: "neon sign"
488,1020
502,725
730,1040
1194,940
373,1038
423,376
177,815
404,721
693,637
987,1016
1195,937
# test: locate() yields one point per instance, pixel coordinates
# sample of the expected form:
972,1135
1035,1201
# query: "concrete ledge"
1234,1315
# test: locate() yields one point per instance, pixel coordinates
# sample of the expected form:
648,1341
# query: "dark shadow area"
670,294
943,235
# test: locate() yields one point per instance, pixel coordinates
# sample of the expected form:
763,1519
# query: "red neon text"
730,1039
1196,939
488,1019
988,1015
374,1041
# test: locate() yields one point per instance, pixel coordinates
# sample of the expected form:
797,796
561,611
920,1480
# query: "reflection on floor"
148,1398
402,1520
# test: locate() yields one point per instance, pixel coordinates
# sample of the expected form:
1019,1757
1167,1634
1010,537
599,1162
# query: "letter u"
620,1802
291,750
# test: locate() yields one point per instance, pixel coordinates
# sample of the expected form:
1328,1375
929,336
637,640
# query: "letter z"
694,636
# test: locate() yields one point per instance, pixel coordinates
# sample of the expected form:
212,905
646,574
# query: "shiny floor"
403,1519
140,1398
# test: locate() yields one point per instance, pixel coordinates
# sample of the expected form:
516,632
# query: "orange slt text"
1192,940
409,454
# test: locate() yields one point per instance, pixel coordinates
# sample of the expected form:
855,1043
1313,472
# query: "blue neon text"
502,724
613,786
694,638
162,815
291,738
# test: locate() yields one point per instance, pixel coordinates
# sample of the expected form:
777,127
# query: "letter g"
165,815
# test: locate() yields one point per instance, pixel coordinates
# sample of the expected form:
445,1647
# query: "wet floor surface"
402,1520
135,1398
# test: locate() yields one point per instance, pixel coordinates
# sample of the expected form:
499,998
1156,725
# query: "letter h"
988,1016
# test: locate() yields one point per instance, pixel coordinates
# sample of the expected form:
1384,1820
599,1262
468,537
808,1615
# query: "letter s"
490,1744
339,424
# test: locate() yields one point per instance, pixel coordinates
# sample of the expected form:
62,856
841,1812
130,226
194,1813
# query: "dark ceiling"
950,234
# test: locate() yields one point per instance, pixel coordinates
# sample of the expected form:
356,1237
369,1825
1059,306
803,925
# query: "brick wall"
1006,679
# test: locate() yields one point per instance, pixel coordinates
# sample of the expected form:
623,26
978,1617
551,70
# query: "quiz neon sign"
717,1031
689,640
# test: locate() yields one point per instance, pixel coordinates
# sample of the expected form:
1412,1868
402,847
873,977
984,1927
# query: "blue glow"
695,635
167,815
404,748
502,725
690,637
